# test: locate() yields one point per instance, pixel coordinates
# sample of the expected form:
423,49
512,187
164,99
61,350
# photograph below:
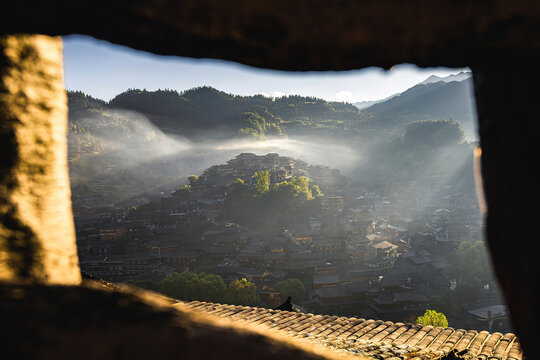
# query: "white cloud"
345,95
278,94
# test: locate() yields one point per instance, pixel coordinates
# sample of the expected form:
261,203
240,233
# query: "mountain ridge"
428,101
206,108
463,75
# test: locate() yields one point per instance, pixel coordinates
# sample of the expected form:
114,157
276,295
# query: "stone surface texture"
301,35
94,321
498,39
37,238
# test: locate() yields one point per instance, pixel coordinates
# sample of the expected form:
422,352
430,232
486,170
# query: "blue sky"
103,70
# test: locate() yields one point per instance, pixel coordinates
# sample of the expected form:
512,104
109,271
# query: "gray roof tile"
376,338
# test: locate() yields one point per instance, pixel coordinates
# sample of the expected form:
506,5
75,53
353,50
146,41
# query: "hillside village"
362,254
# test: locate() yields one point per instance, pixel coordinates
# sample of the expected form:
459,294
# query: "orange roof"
373,338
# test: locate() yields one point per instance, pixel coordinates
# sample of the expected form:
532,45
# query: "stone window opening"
497,40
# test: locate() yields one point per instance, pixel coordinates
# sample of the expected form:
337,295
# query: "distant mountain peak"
365,104
432,78
454,77
436,98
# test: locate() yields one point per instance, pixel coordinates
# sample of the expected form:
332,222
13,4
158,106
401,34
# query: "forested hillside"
429,101
144,141
428,149
205,108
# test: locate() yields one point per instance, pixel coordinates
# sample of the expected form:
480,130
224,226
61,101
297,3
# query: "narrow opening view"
351,194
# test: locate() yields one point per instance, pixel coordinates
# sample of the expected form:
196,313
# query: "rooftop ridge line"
371,337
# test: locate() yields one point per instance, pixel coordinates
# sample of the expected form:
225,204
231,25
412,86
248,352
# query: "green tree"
262,182
265,206
297,187
291,287
301,187
253,125
238,189
193,286
469,289
185,188
471,260
470,265
445,303
242,292
433,318
236,203
435,132
192,179
316,191
183,192
145,284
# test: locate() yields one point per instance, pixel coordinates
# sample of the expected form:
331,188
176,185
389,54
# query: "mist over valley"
147,142
367,210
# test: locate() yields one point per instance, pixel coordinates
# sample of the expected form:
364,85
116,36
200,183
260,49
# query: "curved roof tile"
374,338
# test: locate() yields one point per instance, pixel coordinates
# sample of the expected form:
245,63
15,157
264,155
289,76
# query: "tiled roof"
374,338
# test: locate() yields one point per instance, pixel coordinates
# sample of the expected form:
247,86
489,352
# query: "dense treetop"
208,108
266,206
435,133
190,286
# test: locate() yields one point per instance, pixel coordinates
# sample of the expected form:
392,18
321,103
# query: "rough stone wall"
37,237
508,113
300,35
91,322
493,37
